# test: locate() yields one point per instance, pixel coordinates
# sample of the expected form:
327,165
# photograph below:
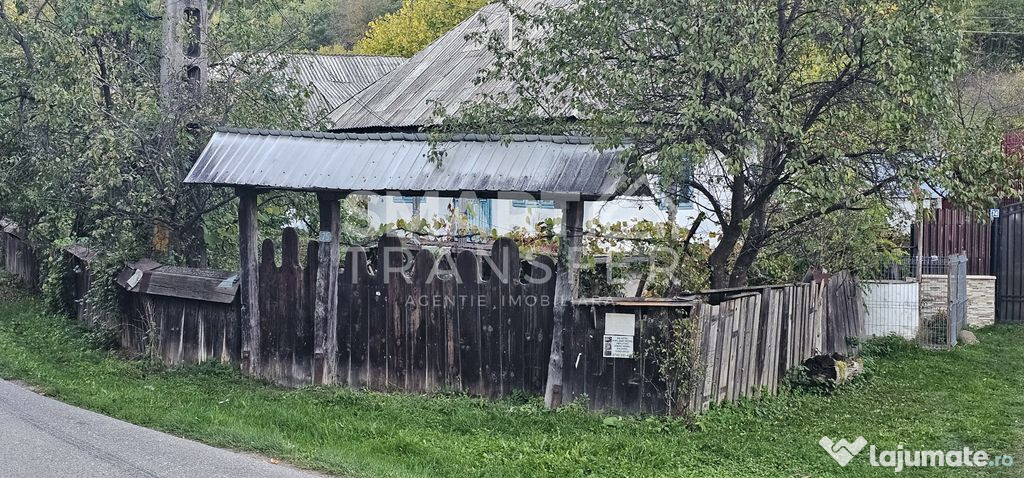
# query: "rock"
966,337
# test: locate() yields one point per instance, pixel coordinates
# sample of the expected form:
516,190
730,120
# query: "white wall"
505,216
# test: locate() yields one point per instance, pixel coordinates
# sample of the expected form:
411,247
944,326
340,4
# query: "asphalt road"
41,437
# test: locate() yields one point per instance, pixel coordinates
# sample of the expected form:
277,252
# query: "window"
194,22
522,203
681,193
408,200
663,205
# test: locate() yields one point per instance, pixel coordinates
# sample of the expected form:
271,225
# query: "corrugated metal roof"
332,79
546,166
444,74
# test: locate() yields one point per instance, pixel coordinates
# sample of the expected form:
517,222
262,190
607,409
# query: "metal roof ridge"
461,137
318,55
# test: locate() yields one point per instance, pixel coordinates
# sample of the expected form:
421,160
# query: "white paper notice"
618,346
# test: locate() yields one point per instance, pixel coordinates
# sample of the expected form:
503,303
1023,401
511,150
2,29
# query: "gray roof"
382,163
444,74
332,79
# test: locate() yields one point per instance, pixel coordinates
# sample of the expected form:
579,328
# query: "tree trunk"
718,262
737,274
755,237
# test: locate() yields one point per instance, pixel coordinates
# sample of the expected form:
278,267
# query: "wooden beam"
325,312
249,282
566,289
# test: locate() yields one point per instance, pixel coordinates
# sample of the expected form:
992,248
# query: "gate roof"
567,167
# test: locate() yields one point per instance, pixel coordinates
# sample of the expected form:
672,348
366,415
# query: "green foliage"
662,256
415,25
863,241
89,154
888,347
774,114
352,18
993,26
916,398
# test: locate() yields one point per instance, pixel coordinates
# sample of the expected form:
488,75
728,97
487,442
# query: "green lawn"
925,400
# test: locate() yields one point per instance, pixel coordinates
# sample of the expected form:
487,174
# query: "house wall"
981,297
508,215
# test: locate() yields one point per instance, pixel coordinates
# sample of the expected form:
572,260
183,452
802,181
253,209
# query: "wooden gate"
1009,264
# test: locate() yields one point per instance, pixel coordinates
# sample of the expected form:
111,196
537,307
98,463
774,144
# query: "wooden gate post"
566,288
325,312
249,282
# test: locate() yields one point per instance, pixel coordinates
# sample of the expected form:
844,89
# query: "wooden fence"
633,384
80,282
18,255
479,324
179,315
747,344
466,321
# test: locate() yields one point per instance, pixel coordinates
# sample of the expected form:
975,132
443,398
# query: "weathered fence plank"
467,276
354,306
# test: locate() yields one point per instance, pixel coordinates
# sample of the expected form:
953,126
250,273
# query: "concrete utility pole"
184,73
184,64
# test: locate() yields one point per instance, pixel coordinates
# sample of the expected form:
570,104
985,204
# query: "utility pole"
184,73
184,61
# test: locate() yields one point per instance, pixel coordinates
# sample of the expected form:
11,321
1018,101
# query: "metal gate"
957,297
1009,264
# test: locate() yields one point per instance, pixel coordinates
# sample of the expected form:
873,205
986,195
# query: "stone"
966,337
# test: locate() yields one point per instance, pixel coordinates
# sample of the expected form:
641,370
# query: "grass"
925,400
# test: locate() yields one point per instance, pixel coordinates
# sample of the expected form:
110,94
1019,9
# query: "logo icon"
843,451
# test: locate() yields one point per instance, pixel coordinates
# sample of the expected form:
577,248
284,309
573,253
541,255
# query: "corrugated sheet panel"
444,74
397,162
332,79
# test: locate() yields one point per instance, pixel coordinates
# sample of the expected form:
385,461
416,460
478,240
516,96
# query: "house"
443,75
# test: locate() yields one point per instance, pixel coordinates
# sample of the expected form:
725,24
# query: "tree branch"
716,206
19,38
847,204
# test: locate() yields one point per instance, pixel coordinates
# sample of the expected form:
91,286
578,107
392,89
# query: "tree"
352,18
775,114
415,25
88,154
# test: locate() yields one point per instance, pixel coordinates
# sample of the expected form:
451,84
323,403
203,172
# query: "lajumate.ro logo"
843,452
